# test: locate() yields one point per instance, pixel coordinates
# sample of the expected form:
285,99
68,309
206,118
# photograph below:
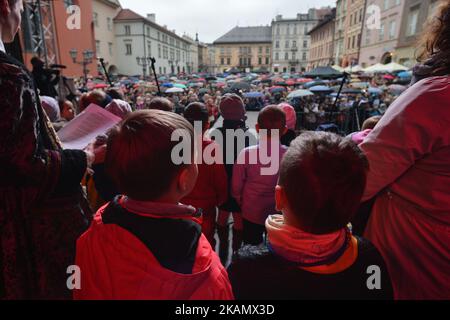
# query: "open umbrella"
321,89
100,86
373,90
304,80
405,74
167,85
299,93
313,83
396,88
179,85
174,90
351,91
241,86
388,77
277,89
253,95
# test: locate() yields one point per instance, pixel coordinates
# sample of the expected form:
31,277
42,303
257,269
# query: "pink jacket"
409,156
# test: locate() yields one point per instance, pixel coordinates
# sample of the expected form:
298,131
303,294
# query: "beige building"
291,42
339,30
354,17
415,15
104,12
244,49
322,42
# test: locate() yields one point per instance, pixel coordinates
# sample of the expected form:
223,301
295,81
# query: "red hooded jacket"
116,264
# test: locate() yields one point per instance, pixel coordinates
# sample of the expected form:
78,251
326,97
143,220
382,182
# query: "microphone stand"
102,62
153,61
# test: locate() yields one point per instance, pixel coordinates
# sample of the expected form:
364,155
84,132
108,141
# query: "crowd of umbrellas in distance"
392,78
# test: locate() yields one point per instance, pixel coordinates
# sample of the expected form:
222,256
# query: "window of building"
432,9
267,60
260,50
159,51
277,56
381,33
149,48
222,61
267,50
386,4
259,60
110,48
412,21
304,56
305,43
97,46
277,44
109,23
294,44
127,30
360,15
128,49
286,56
392,25
368,35
286,45
95,18
228,61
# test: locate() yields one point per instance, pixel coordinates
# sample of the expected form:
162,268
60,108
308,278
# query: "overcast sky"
213,18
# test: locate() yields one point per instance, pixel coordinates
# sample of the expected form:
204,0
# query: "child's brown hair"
138,156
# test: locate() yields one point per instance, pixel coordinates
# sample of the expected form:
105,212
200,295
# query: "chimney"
279,17
151,17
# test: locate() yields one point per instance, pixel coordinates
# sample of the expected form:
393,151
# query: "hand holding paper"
89,124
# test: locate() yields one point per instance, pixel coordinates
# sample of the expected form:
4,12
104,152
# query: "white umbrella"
300,93
391,67
174,90
338,68
375,68
356,68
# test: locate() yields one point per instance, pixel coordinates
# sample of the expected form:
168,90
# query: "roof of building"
112,3
247,35
328,18
129,15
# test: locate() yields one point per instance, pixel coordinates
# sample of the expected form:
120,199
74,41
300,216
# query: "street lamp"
88,56
144,62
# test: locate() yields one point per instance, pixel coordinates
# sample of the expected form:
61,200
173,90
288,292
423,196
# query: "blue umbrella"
167,85
320,89
312,84
373,90
405,74
253,95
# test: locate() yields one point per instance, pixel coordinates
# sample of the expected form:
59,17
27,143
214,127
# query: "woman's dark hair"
435,38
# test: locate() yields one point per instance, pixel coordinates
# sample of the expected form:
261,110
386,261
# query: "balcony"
294,49
294,62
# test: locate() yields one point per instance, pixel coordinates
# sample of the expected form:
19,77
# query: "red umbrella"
100,86
304,80
290,83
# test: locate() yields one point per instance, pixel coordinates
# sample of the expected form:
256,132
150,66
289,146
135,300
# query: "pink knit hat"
291,116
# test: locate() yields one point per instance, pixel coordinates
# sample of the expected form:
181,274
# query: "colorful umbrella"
299,93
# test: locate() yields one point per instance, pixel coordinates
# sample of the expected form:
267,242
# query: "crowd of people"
357,207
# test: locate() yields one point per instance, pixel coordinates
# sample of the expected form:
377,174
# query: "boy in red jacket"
211,189
145,244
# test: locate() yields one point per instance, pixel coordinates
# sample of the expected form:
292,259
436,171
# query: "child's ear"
279,198
283,131
187,179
